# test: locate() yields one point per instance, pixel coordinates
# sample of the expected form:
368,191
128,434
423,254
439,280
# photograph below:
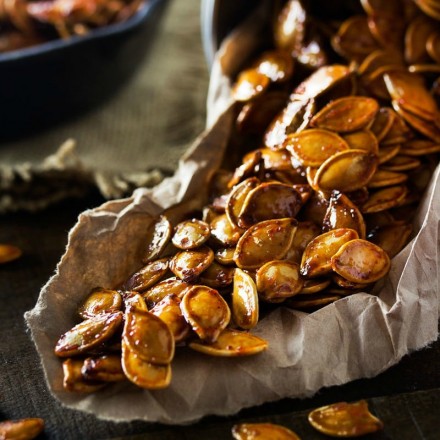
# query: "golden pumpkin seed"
361,261
346,114
224,232
225,256
217,276
8,253
206,311
249,84
22,429
420,147
305,232
158,235
148,337
261,431
188,265
433,46
385,198
384,177
73,379
416,36
105,368
269,200
311,302
314,285
149,275
313,146
388,152
402,162
265,241
278,279
99,301
244,300
343,213
168,310
277,65
144,374
190,234
134,299
362,140
382,122
345,419
231,343
345,285
88,334
171,286
346,171
316,259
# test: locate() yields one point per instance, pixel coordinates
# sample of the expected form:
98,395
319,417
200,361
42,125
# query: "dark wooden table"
406,397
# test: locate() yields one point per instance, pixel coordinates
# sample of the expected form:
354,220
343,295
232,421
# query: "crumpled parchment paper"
357,336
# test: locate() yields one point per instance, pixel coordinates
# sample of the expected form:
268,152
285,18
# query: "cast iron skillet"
49,83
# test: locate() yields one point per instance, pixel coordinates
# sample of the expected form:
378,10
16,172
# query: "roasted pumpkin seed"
191,234
277,65
9,252
206,311
171,286
245,310
265,241
73,380
149,275
88,334
158,235
217,275
385,198
305,232
22,429
188,265
391,238
250,83
384,177
105,368
231,343
99,301
361,261
362,140
345,419
261,431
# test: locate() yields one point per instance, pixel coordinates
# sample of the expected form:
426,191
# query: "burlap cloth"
132,140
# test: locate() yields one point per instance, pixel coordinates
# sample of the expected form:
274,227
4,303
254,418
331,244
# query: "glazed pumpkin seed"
314,285
277,65
9,252
144,374
410,92
188,265
311,175
225,256
313,146
416,36
343,213
346,285
261,431
22,429
265,241
354,39
247,169
310,301
148,337
345,419
420,147
190,234
374,82
171,286
149,275
206,311
244,300
315,208
427,128
304,190
382,122
276,160
402,162
168,310
384,177
158,235
305,232
105,368
387,30
237,197
256,115
73,379
289,30
385,198
388,152
399,132
224,232
269,200
322,80
134,299
231,343
362,140
391,238
359,196
278,279
217,276
361,261
347,114
99,301
88,334
316,259
430,8
346,171
378,59
249,84
293,118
